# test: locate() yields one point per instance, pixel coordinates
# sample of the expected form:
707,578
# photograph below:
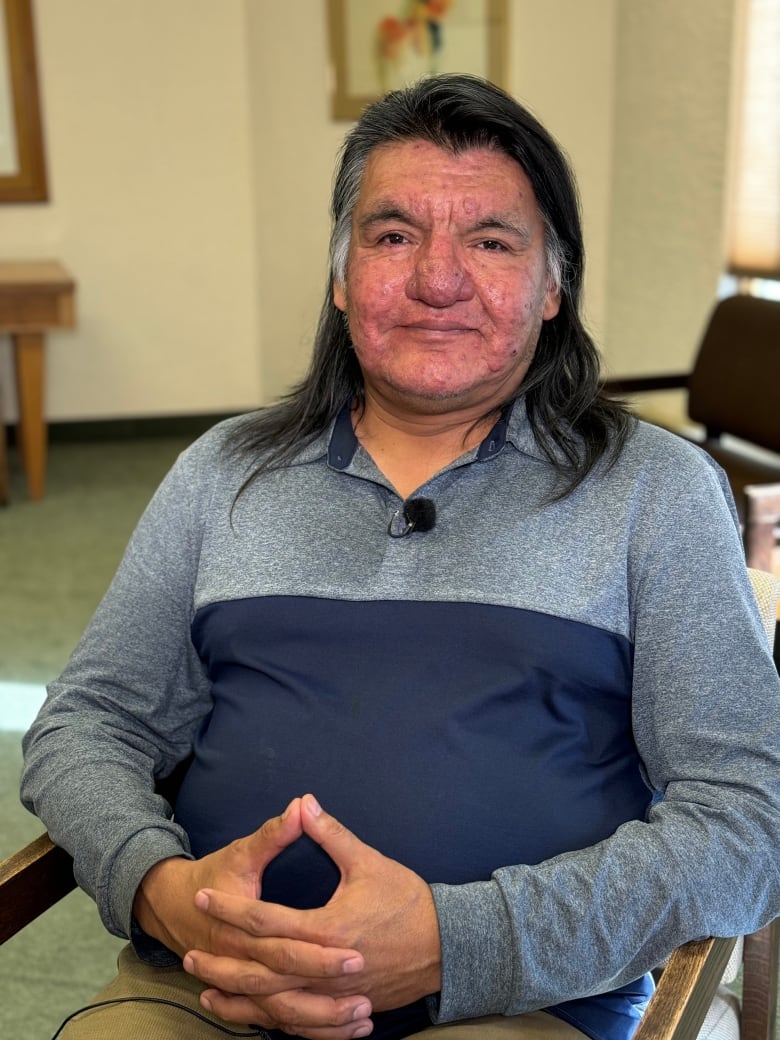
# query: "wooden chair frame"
31,881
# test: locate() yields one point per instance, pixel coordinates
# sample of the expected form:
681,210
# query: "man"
451,593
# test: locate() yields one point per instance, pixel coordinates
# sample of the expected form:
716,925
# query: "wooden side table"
35,296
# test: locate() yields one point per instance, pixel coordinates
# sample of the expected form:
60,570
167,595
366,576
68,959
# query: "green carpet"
58,555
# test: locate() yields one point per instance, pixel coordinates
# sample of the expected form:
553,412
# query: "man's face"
446,285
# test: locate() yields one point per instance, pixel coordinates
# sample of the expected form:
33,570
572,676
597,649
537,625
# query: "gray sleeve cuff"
477,951
138,855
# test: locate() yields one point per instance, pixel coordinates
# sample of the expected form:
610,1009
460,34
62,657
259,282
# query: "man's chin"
433,400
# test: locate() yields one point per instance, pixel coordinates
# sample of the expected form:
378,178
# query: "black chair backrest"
735,384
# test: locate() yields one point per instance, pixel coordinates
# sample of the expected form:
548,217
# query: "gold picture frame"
378,45
22,159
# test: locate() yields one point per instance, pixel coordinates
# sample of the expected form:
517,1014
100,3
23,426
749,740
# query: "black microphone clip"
419,514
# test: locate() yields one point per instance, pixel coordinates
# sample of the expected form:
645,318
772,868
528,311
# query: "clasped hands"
316,973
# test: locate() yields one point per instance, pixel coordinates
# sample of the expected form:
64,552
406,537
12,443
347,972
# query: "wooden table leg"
4,492
28,359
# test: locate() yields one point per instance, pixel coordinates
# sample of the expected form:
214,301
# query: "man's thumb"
341,844
275,835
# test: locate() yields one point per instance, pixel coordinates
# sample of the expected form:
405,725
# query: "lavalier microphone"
419,514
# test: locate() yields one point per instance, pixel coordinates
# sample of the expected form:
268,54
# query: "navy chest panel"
454,737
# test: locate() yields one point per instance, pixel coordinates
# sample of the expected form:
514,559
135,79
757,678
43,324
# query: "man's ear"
552,303
340,296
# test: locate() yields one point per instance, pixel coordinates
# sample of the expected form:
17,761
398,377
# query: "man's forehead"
389,151
414,173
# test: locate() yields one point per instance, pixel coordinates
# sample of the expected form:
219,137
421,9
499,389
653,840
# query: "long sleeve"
125,709
706,721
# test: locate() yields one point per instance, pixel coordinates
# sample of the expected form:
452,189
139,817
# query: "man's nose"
439,277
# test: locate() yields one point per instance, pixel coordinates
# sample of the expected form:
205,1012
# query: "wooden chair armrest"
644,384
40,874
685,991
31,881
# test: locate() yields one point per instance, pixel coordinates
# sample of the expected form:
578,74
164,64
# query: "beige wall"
562,66
294,144
147,122
190,158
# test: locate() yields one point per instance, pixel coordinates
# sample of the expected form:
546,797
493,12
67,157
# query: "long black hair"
574,423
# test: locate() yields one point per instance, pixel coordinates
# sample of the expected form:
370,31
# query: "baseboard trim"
128,429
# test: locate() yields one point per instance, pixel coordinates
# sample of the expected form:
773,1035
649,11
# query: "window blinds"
754,218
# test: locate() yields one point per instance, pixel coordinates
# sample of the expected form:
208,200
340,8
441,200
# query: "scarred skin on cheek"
446,285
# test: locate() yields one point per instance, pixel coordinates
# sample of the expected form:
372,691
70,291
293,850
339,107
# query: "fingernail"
351,965
361,1011
201,901
188,964
362,1031
314,806
205,1002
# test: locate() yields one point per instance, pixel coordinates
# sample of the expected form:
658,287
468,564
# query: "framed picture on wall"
22,163
379,45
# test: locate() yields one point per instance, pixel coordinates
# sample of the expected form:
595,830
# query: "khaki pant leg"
153,1021
536,1025
149,1021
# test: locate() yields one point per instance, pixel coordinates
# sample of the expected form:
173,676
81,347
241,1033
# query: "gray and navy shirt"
560,712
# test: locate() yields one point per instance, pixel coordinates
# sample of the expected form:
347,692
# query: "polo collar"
343,442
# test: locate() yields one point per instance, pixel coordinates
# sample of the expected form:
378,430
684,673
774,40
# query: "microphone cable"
226,1030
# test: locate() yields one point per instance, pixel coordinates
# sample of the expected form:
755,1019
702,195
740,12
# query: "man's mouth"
432,325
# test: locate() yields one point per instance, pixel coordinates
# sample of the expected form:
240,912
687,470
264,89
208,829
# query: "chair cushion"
722,1019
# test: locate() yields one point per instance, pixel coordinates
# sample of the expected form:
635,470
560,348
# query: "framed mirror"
22,160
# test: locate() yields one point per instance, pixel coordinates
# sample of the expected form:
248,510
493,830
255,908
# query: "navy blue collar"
343,442
496,439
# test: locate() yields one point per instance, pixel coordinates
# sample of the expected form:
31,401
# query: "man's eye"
492,246
393,238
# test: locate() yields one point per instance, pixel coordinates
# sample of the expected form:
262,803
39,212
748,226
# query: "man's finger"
305,1014
341,844
275,835
242,977
264,932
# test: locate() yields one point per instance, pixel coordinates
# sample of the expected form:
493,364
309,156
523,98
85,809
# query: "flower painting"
412,44
379,45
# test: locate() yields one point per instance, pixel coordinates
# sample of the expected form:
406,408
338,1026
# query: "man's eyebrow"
384,211
522,231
